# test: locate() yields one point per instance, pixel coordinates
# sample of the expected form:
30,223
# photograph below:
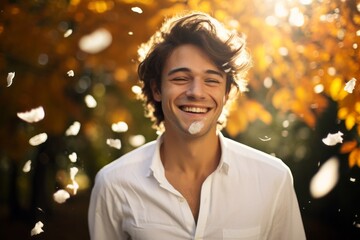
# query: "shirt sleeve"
287,222
104,214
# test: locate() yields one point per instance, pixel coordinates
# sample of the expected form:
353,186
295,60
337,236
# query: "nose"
195,89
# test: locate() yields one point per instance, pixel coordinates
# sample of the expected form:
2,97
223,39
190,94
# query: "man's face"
193,89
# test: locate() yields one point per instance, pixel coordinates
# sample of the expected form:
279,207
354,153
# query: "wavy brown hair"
224,47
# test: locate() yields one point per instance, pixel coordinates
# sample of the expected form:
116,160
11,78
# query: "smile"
194,109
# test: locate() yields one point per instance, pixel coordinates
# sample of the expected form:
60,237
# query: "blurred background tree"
304,54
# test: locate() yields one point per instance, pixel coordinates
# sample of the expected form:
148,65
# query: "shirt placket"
188,219
204,208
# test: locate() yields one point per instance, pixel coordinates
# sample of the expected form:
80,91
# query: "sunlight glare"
137,140
96,41
325,179
296,17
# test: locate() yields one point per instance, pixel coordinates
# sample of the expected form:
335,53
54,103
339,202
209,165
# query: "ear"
155,91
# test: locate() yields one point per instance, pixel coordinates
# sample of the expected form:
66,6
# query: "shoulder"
248,157
136,161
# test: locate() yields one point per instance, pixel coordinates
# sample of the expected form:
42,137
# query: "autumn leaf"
348,146
283,99
354,158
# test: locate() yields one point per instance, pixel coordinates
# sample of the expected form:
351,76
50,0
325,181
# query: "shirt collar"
157,168
224,159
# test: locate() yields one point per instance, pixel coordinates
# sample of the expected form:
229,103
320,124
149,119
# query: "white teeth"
194,109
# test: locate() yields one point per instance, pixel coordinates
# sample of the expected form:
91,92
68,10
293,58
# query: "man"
192,182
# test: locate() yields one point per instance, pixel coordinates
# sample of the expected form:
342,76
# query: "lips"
191,109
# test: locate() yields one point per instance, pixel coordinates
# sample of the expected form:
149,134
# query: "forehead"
191,57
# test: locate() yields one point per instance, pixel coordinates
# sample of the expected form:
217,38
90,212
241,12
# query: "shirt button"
181,199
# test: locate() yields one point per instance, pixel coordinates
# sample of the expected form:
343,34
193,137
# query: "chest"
212,208
190,189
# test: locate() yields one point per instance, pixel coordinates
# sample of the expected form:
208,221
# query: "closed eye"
179,80
212,81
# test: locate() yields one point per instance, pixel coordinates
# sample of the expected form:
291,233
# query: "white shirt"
249,196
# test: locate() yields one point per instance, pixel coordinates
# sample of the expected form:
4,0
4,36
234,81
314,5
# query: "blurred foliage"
304,52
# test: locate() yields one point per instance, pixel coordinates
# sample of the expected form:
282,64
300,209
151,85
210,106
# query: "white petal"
333,139
61,196
10,78
90,101
74,186
350,85
68,33
119,127
37,229
38,139
74,129
96,41
196,127
325,179
70,73
27,166
265,138
34,115
73,157
115,143
73,172
137,10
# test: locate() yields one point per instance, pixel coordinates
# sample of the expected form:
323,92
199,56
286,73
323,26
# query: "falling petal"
196,127
115,143
90,101
96,41
34,115
70,73
137,10
27,166
333,139
73,157
40,209
61,196
68,33
265,139
74,129
73,172
10,78
325,179
38,139
37,229
137,140
119,127
136,89
74,186
350,85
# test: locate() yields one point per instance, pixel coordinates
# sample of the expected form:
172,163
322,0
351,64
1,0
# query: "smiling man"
192,182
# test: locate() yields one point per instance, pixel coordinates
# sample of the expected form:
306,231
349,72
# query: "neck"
196,156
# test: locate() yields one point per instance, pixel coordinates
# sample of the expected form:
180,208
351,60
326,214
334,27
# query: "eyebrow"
185,69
